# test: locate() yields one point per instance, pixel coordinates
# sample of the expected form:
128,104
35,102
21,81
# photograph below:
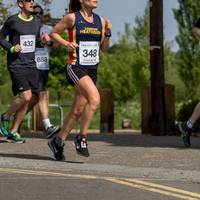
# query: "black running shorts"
24,78
75,73
43,77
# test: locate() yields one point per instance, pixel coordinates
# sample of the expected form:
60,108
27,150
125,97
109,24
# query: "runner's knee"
78,111
26,98
94,103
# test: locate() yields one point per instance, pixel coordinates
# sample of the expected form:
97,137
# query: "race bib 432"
27,43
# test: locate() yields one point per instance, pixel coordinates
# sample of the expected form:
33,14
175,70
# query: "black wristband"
107,34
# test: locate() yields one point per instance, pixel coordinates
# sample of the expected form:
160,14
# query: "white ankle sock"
189,124
46,123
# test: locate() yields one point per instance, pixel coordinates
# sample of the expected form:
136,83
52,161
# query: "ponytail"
74,5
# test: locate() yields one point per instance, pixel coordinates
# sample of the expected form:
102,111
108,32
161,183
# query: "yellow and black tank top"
88,36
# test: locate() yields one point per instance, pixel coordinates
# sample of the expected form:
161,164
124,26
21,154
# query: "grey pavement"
161,159
122,153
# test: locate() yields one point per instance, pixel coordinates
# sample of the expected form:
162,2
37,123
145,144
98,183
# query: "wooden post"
147,109
170,109
107,111
37,124
158,117
37,119
33,119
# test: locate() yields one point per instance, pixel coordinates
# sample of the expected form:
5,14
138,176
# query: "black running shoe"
185,133
56,149
51,131
80,143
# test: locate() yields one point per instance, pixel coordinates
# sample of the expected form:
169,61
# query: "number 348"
91,53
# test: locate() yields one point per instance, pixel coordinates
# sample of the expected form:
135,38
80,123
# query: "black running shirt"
23,32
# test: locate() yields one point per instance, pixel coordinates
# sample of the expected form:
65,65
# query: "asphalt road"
121,166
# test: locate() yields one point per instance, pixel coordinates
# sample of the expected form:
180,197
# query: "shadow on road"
148,141
25,156
130,140
33,157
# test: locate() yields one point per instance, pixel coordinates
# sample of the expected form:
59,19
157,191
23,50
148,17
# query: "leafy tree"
57,83
4,11
188,57
139,40
127,63
5,83
115,73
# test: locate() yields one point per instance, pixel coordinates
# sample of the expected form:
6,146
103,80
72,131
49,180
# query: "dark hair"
74,5
40,7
